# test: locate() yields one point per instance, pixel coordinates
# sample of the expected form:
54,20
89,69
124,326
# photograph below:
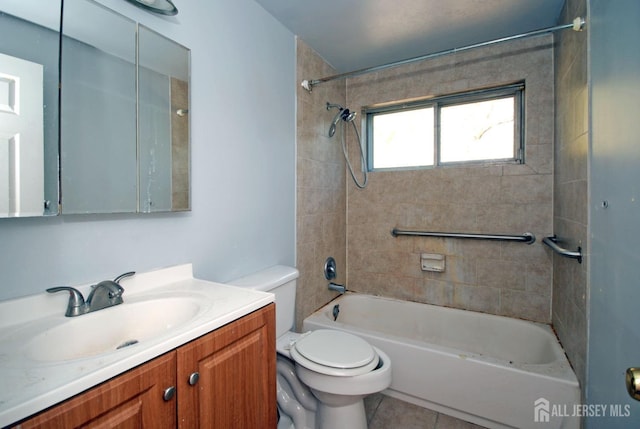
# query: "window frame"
515,90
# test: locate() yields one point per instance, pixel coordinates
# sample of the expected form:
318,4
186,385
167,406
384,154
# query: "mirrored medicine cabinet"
117,138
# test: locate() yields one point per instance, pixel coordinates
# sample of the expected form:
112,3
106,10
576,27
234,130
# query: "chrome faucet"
336,287
330,271
105,294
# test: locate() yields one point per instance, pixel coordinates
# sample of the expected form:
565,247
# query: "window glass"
477,131
403,139
476,127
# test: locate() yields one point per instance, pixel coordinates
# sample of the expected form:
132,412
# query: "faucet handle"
76,304
122,276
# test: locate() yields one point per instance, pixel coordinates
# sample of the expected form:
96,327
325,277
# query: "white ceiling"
355,34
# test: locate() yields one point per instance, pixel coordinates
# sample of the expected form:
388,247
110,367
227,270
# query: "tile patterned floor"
385,412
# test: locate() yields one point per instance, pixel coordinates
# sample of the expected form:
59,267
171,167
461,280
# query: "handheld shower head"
347,116
334,123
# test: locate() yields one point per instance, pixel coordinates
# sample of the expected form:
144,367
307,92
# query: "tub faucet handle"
330,269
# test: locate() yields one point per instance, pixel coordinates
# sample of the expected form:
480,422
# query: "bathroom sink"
46,357
111,329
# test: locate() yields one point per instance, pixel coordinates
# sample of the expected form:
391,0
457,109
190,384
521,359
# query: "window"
475,127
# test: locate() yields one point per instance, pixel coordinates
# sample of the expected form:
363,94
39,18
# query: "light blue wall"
243,167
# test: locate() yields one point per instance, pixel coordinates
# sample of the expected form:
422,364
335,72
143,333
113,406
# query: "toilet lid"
336,349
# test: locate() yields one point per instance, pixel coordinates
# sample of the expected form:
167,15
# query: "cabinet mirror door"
125,115
29,52
98,110
163,123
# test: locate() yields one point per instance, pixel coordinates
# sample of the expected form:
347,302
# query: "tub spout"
338,288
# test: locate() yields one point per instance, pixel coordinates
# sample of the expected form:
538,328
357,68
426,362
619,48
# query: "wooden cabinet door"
133,400
237,376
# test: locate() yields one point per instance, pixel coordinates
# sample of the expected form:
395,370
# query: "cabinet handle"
193,378
169,393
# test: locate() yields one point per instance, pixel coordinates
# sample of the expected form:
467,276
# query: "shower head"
348,116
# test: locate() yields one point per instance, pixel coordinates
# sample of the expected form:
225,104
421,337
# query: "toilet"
324,375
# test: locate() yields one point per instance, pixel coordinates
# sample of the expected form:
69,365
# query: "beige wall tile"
502,274
435,292
321,192
571,188
507,199
484,299
525,305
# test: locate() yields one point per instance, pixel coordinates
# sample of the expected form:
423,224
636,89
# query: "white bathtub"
486,369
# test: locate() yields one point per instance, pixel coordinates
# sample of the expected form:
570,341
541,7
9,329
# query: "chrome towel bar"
527,237
552,242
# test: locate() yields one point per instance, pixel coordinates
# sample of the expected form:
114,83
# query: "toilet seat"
333,352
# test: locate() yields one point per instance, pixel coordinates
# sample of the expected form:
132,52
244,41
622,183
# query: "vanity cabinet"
224,379
131,400
236,367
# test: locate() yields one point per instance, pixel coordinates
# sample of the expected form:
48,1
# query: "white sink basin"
46,357
111,329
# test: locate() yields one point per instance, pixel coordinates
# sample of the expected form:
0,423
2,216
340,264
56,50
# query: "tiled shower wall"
501,278
511,279
571,188
321,190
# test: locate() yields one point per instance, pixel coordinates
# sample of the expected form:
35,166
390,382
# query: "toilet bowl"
341,377
338,368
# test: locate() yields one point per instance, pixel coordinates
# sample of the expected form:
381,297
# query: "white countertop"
28,386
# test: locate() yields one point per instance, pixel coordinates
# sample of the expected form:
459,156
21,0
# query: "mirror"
29,52
163,131
98,110
124,123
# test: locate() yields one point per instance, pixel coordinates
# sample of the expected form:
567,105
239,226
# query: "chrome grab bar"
527,237
552,242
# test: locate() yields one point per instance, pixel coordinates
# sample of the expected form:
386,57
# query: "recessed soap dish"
432,262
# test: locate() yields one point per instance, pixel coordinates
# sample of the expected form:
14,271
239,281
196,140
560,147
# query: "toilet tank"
281,281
